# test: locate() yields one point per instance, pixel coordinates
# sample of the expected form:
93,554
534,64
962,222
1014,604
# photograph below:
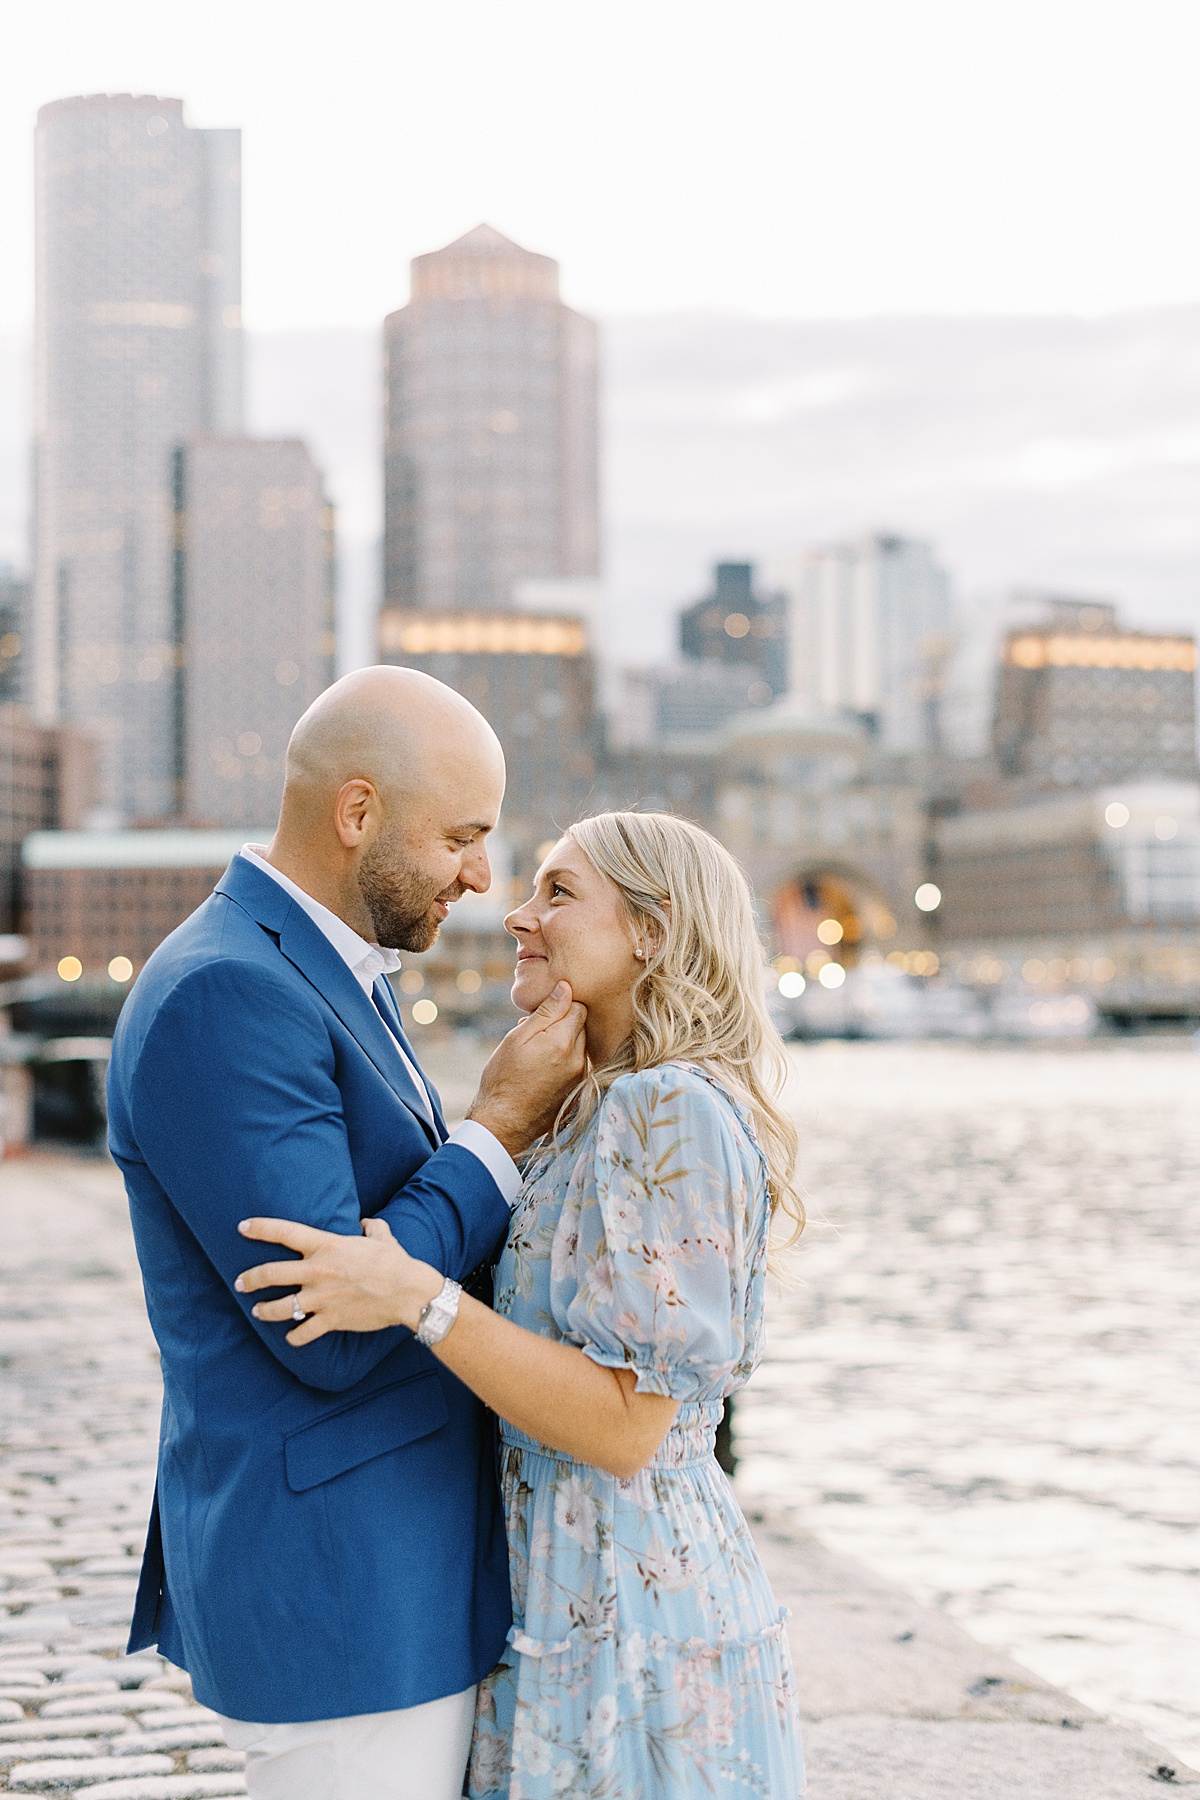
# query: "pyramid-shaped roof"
482,240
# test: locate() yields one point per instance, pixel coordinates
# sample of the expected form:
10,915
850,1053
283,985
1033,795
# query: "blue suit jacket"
326,1537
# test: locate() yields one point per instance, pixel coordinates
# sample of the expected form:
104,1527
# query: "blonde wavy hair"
700,997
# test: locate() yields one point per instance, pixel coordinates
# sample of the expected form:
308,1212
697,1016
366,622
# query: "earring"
639,953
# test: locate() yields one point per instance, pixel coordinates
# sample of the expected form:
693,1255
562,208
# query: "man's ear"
356,813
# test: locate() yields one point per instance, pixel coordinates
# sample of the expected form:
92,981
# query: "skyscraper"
254,590
490,459
870,627
138,347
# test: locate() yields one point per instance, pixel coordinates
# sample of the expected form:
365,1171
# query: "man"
326,1555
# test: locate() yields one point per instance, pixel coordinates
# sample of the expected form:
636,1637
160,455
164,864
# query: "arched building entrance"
834,908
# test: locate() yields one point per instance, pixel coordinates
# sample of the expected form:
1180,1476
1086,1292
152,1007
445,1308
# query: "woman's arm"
550,1391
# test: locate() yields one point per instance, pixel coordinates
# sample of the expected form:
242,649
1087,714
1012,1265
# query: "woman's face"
575,928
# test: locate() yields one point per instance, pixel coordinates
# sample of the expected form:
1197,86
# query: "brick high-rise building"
490,459
138,347
255,597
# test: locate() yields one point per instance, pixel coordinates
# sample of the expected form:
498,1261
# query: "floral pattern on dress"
648,1658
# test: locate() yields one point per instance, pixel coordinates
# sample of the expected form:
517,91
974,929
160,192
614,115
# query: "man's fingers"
556,1004
306,1333
376,1228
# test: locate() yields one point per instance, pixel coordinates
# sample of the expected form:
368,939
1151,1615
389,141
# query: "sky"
778,158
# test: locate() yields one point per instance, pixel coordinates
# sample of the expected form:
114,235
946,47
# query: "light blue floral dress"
648,1658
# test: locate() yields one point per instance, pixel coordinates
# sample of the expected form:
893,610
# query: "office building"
490,433
1082,702
46,784
531,675
14,605
870,632
740,628
137,348
255,600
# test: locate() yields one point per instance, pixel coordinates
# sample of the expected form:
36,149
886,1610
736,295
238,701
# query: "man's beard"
399,897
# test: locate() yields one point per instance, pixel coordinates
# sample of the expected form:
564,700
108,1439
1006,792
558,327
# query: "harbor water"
983,1376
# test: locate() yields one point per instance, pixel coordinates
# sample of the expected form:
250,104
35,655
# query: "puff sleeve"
656,1254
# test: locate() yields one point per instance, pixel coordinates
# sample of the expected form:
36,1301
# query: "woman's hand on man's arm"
550,1391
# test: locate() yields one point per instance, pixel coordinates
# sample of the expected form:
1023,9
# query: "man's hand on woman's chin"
531,1072
339,1283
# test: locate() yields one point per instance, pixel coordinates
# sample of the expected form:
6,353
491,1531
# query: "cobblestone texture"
79,1402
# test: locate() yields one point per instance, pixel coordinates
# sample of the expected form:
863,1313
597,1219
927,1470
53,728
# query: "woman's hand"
341,1283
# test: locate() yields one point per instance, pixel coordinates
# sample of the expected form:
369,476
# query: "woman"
648,1659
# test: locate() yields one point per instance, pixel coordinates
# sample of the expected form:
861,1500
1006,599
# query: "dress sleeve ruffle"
661,1259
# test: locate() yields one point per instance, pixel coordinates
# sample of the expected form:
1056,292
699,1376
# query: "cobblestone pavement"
79,1402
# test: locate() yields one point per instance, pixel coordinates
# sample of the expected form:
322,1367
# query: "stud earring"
639,953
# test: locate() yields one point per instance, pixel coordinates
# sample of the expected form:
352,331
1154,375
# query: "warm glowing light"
120,969
412,981
1116,814
830,931
815,961
1103,969
70,968
1165,828
736,625
1088,650
1034,969
424,1012
468,981
832,975
792,983
492,634
928,897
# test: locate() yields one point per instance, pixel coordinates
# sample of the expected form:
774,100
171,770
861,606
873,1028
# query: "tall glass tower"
138,347
490,458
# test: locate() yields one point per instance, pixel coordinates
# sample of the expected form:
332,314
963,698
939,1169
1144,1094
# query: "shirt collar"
366,962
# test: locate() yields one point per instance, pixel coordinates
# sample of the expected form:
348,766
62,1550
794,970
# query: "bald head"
393,782
387,726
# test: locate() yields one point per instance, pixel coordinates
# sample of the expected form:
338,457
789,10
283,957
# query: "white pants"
416,1753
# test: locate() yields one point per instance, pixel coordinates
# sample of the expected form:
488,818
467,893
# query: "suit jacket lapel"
310,952
393,1006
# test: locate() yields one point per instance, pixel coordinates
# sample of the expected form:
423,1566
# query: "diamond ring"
298,1312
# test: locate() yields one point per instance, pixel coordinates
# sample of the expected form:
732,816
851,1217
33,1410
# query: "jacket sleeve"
237,1113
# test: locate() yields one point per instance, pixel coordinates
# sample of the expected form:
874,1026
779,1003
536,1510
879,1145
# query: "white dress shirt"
367,962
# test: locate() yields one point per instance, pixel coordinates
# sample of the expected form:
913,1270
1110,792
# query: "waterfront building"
137,348
738,627
14,605
870,630
98,903
254,580
46,784
490,463
1082,702
532,677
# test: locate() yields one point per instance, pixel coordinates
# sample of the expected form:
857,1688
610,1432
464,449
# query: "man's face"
430,851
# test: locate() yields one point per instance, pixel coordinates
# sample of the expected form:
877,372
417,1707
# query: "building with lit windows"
490,462
254,594
1082,702
532,677
137,348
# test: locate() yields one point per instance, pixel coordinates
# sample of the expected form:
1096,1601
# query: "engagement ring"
298,1312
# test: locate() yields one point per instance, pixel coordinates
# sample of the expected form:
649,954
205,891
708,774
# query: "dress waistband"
690,1440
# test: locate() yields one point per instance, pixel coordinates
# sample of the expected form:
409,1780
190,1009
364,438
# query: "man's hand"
531,1071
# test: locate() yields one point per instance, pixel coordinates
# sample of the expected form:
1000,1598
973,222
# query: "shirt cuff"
476,1138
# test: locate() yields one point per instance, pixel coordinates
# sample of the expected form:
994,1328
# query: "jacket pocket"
386,1420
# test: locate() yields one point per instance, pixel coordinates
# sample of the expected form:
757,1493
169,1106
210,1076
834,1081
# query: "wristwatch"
438,1314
